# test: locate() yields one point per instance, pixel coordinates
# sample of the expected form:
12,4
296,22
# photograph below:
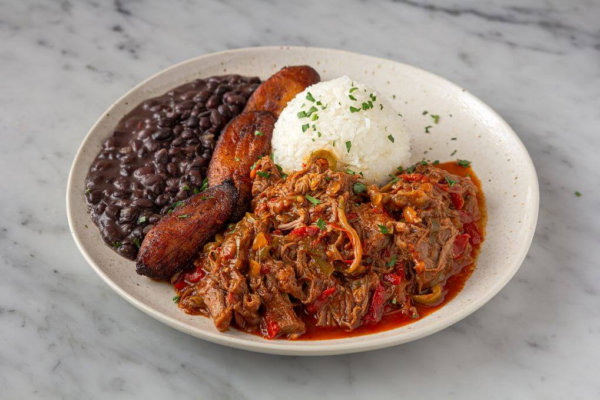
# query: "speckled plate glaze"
482,136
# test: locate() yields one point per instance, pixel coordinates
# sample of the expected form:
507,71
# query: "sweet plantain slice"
243,141
178,237
274,94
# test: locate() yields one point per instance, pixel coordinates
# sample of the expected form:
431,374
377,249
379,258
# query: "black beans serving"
158,155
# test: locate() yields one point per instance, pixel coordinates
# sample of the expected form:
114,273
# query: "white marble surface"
65,334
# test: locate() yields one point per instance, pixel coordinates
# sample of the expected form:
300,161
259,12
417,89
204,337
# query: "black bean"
143,203
202,96
127,215
216,118
213,102
236,100
162,134
162,200
128,251
161,156
112,211
147,229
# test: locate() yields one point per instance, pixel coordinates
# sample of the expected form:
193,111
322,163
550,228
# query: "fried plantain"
178,237
243,141
274,94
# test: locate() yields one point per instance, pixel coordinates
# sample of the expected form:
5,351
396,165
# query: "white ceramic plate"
499,158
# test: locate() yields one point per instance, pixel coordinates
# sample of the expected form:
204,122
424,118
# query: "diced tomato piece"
376,308
392,278
196,275
460,244
273,328
473,230
465,217
457,200
180,285
415,178
305,231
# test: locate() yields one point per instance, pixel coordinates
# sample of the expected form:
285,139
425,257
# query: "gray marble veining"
65,334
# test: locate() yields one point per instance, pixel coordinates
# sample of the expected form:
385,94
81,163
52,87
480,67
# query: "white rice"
377,137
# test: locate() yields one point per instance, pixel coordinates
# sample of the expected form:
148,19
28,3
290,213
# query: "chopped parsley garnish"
237,159
359,187
88,190
319,103
352,97
577,194
174,206
383,229
353,89
381,106
319,134
258,133
464,163
411,169
373,98
302,114
425,112
176,299
436,162
354,109
423,162
186,188
142,219
314,118
394,178
137,243
391,263
453,153
349,171
206,197
450,181
427,128
348,146
183,216
400,169
391,138
334,143
394,301
264,174
204,186
117,244
400,115
310,97
305,127
312,199
321,224
311,110
436,118
367,105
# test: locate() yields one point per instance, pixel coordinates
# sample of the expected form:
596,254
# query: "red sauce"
452,288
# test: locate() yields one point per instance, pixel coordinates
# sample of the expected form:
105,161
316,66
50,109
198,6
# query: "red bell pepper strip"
375,312
415,178
321,300
460,245
392,278
457,200
465,217
473,230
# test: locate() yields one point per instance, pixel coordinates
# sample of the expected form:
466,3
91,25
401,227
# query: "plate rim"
326,347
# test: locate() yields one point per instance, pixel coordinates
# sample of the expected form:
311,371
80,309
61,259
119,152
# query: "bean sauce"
158,155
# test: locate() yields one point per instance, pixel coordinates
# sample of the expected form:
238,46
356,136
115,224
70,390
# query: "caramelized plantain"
177,238
274,94
243,141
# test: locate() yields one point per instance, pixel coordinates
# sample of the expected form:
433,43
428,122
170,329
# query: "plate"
501,161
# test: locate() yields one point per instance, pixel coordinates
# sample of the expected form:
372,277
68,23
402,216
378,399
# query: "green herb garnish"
183,216
204,186
427,129
349,171
436,118
577,194
391,138
302,114
258,133
359,187
450,181
383,229
436,162
117,244
348,146
264,174
142,219
310,97
312,199
464,163
186,188
305,127
352,97
453,153
354,109
353,89
176,299
321,224
425,112
391,263
137,243
88,190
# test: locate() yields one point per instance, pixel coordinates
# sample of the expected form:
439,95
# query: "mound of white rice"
350,120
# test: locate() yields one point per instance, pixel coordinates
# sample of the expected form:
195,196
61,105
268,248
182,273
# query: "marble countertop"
65,334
